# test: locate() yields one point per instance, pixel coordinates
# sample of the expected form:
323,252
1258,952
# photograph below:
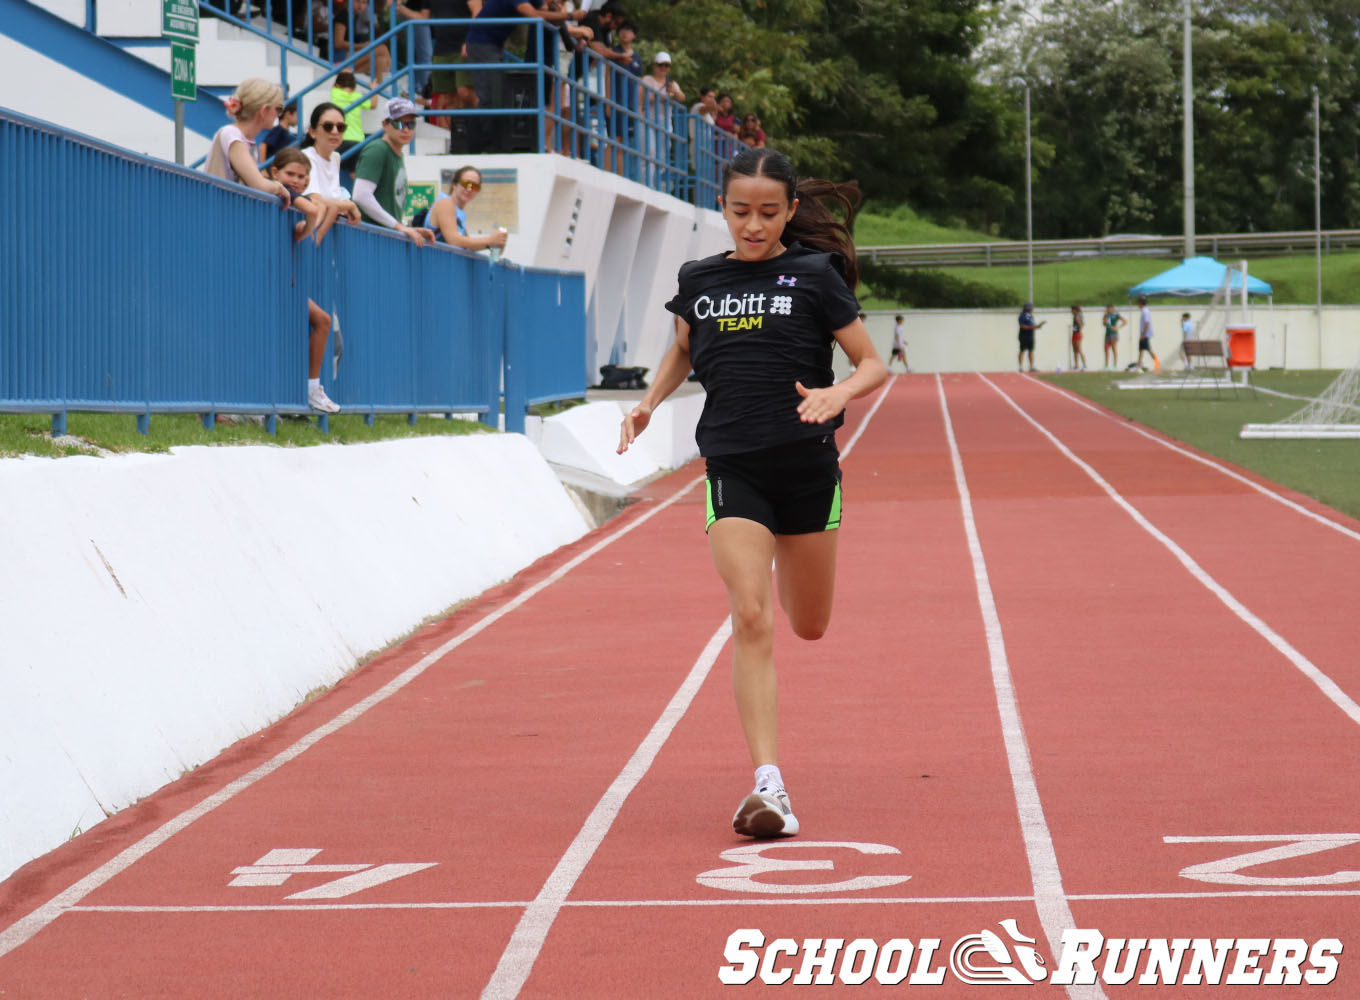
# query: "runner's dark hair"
814,224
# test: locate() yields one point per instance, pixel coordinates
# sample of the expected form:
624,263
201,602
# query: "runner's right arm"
670,375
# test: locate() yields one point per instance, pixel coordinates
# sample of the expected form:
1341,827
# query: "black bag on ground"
622,377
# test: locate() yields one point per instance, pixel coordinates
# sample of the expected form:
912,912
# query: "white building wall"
73,101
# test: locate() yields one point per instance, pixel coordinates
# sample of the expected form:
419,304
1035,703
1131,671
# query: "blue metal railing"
187,294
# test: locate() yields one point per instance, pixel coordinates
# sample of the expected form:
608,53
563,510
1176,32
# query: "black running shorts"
792,489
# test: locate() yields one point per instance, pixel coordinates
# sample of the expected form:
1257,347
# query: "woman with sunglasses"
448,215
322,148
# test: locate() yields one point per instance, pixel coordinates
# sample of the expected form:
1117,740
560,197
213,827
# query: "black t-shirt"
448,38
756,328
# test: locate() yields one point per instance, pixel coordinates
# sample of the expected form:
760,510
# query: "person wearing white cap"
380,173
659,78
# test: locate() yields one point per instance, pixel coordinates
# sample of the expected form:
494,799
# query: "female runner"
758,326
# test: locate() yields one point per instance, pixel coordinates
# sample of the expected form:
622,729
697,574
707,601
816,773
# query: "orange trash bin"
1241,347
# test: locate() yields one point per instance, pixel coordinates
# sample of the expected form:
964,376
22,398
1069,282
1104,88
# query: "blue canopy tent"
1198,276
1205,276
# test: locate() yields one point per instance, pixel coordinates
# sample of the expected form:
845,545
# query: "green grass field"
885,226
1100,280
91,433
1324,470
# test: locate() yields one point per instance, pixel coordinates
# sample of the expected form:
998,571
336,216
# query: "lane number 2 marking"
1228,871
750,860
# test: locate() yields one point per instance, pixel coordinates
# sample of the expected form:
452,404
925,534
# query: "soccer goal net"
1334,414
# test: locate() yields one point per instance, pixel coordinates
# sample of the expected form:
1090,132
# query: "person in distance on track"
758,326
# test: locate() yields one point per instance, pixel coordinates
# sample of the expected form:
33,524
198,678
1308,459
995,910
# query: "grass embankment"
1098,280
1092,281
93,433
1324,470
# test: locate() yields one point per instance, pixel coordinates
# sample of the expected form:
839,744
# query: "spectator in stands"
627,35
706,107
344,93
422,48
292,168
321,147
254,107
380,174
452,88
486,43
751,132
659,78
725,119
366,21
603,22
448,215
281,135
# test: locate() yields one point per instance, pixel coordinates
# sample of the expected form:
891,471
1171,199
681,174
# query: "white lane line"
1050,900
711,903
517,961
1298,508
1325,684
23,929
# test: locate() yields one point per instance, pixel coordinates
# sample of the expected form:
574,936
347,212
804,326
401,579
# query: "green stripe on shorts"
833,519
708,489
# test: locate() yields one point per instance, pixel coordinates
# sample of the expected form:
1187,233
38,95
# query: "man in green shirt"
380,173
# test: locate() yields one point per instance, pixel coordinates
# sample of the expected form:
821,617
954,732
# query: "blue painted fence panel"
161,290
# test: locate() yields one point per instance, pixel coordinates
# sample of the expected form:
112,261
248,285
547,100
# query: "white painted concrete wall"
73,101
942,340
156,608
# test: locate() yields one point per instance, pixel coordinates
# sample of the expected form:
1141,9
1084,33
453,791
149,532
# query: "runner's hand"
820,405
634,424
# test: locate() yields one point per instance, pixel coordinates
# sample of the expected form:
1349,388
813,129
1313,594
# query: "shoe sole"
757,818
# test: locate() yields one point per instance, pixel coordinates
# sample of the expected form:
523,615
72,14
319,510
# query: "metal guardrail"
187,294
1049,251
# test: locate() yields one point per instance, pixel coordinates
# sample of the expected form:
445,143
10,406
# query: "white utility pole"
1188,159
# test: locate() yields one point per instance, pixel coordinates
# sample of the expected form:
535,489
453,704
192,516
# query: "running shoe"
318,400
765,813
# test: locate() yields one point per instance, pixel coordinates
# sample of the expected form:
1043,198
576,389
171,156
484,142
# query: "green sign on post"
179,19
183,72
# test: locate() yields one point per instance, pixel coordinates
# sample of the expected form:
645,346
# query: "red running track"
1079,677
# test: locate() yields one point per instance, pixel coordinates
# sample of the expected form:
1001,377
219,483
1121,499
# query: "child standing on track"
758,326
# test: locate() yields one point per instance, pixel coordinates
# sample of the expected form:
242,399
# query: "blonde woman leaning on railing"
254,107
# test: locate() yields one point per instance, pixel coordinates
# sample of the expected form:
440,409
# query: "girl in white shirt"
325,134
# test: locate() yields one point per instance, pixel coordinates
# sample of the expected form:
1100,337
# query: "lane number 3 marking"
751,860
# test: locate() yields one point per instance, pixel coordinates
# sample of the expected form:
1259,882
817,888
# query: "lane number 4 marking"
281,864
749,860
1228,871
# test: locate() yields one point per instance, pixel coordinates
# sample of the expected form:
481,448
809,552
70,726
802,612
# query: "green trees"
880,91
921,102
1106,90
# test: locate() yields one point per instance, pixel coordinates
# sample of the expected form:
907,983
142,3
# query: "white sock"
313,383
768,776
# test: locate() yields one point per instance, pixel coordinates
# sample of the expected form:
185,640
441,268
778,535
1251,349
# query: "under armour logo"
787,281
